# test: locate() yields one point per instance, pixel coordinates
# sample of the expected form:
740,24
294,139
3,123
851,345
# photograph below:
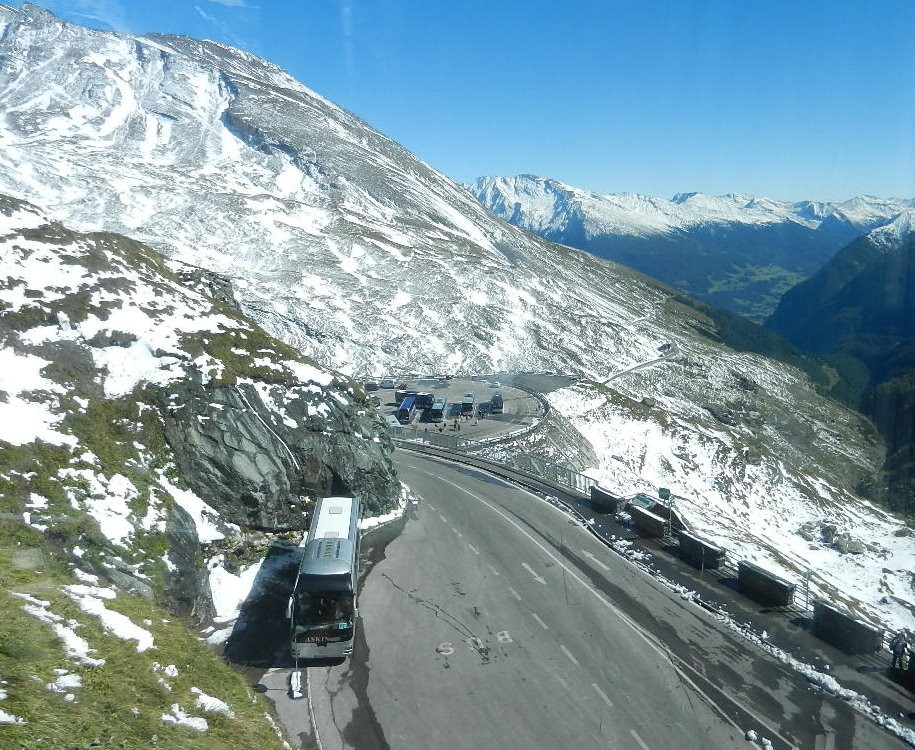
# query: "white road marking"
431,506
496,572
569,654
541,622
530,570
649,639
444,520
602,694
638,739
564,683
597,562
515,593
473,549
460,535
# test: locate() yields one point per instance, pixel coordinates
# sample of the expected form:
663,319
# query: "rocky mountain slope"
737,252
347,247
151,432
860,309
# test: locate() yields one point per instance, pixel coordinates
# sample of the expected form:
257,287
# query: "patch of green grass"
29,468
254,342
119,704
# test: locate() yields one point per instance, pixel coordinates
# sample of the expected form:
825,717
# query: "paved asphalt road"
492,620
489,619
479,632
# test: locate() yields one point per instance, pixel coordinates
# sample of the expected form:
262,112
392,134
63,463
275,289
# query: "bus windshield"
323,611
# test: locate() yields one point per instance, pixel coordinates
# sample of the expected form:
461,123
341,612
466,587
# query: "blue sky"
791,100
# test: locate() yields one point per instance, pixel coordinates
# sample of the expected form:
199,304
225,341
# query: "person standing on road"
899,646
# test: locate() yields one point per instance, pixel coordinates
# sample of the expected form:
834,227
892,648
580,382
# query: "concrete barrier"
647,522
699,553
603,502
762,586
843,630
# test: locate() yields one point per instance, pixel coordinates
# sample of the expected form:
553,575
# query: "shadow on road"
260,636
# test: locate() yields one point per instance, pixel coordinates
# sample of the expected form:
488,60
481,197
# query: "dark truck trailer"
647,523
603,502
762,586
496,403
699,553
845,631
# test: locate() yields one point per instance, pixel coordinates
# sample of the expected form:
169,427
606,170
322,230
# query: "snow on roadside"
405,497
230,590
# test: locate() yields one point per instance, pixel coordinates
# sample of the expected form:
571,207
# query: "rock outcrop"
260,454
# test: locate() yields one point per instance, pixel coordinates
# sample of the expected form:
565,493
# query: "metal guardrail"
498,453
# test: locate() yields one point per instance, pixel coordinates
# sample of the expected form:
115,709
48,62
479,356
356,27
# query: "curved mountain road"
478,630
493,619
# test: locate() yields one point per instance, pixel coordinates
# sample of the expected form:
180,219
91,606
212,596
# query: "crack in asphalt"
441,613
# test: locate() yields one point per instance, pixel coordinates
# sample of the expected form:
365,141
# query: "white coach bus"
322,608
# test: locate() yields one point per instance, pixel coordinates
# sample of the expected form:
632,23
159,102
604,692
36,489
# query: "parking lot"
520,409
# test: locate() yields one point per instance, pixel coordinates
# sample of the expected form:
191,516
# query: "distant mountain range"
859,311
737,252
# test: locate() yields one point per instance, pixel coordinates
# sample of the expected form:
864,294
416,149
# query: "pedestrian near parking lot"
898,647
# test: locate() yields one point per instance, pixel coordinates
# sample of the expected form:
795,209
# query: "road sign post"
807,576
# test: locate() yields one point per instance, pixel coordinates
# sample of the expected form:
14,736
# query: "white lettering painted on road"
597,562
496,572
602,694
445,648
515,593
649,640
503,636
638,739
473,549
539,621
569,654
530,570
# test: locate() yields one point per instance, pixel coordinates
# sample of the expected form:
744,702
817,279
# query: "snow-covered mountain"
347,247
543,205
735,251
